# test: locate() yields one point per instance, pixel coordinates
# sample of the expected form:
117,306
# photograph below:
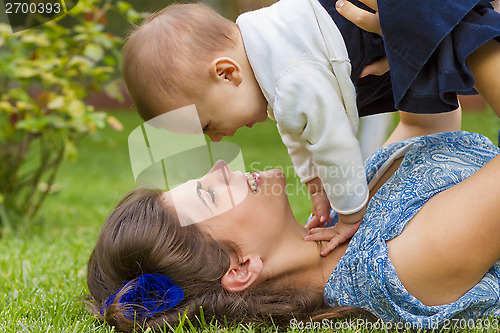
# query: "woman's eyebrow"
198,191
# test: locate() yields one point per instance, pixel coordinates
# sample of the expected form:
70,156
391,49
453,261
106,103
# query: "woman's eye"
205,128
211,194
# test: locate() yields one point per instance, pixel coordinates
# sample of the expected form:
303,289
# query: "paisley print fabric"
365,276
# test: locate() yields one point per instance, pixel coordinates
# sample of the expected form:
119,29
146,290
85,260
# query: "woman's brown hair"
143,236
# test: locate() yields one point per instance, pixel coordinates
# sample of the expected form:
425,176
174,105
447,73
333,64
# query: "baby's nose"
215,137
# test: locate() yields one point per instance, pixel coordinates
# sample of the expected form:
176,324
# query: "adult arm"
484,62
410,124
450,244
367,21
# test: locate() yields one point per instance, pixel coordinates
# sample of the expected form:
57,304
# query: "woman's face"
249,210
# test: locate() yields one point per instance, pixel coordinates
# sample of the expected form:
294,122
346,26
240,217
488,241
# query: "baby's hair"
143,236
166,57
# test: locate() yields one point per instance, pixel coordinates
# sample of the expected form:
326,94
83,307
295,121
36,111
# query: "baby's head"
189,54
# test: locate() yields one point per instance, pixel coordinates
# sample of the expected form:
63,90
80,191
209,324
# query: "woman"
252,261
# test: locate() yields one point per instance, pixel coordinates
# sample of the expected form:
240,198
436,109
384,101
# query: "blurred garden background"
64,123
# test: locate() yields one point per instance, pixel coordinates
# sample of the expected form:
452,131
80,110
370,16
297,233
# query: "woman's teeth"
252,182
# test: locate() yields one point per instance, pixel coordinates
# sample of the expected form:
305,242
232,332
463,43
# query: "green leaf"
80,61
113,90
39,39
94,52
104,41
5,28
34,125
76,108
56,103
135,16
25,72
6,107
70,150
109,61
24,106
123,6
19,94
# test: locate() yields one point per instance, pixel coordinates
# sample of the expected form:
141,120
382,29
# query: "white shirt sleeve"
310,111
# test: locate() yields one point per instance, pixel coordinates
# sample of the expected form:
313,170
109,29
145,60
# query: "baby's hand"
320,205
344,229
320,210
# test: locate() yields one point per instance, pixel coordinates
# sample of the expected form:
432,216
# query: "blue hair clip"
151,294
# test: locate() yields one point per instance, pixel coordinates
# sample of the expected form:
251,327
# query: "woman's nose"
220,172
220,164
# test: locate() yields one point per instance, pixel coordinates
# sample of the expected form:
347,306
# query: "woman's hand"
367,21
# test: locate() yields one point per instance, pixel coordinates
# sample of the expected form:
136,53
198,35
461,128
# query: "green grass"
43,264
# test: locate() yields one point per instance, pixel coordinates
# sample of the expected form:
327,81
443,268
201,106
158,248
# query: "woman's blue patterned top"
365,276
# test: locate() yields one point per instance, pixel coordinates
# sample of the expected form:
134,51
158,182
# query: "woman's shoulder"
472,143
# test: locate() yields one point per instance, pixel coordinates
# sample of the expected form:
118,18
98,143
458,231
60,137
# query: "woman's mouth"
253,180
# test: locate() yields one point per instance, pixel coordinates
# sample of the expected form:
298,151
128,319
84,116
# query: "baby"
287,62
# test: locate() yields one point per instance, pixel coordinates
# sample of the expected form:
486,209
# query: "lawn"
43,264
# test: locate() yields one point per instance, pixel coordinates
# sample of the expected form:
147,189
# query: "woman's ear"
226,70
241,275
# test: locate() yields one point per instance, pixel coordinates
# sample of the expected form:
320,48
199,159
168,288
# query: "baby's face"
226,107
225,120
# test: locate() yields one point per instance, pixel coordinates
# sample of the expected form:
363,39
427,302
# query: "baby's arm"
312,114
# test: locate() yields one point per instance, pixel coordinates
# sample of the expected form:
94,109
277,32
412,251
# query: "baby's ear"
240,276
226,70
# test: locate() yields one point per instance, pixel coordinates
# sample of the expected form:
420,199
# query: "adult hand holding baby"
360,17
368,21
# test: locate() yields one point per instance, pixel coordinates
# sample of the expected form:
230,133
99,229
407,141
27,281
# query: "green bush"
45,74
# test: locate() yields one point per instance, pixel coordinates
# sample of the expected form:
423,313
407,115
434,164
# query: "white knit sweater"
301,64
